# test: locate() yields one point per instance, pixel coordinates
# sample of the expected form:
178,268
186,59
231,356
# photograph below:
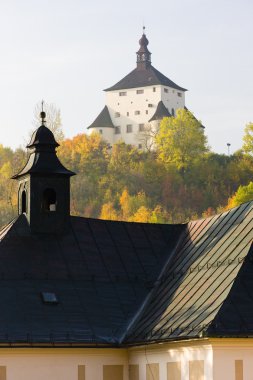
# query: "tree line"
181,179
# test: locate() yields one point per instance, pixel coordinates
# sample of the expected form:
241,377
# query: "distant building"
137,103
87,299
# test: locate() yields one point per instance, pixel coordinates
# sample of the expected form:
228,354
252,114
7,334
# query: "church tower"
44,185
143,54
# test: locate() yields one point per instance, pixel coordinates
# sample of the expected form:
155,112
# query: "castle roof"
143,77
119,283
144,74
160,112
103,120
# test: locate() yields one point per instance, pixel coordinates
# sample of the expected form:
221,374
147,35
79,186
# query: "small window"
141,128
127,113
23,202
172,112
117,130
137,112
140,146
129,128
150,105
154,89
101,131
139,92
49,298
117,114
49,200
122,93
179,94
166,90
146,112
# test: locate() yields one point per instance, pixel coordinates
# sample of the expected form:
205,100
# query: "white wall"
173,352
131,102
61,363
226,351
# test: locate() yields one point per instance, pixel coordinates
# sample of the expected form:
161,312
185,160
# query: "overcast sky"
67,51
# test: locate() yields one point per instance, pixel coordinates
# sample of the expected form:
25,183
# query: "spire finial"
143,29
43,113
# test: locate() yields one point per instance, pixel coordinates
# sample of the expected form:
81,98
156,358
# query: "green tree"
248,139
181,140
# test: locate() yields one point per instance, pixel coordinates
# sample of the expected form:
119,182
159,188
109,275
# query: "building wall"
233,359
123,105
63,364
215,359
173,361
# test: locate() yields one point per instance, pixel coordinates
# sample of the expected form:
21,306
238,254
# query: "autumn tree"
248,139
181,140
243,194
53,119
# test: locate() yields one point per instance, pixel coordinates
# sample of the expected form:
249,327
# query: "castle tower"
136,100
44,185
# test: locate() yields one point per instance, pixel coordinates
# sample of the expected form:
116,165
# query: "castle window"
122,93
146,112
117,130
139,92
49,200
150,105
127,113
137,112
154,89
117,114
141,127
23,202
179,94
129,128
166,90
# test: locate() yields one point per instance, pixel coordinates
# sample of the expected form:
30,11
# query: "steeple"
143,54
44,184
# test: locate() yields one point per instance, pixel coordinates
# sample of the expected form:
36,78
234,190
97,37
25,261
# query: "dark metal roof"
207,287
128,283
161,112
148,76
103,120
100,273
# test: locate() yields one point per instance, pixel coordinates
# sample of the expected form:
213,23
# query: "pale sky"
67,51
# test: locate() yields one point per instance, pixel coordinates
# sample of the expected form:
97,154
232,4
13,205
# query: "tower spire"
143,54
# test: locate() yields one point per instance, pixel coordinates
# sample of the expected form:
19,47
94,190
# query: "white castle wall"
124,104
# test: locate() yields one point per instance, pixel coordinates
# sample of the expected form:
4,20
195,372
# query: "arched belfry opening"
44,185
49,200
23,202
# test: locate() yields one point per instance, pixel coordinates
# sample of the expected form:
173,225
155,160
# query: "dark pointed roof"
142,78
120,283
202,126
103,120
100,272
161,112
144,74
42,156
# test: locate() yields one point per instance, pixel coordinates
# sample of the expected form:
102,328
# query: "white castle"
137,103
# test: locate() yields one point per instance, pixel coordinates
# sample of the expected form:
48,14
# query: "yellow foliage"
108,212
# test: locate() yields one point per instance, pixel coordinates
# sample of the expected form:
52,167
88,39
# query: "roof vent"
49,298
